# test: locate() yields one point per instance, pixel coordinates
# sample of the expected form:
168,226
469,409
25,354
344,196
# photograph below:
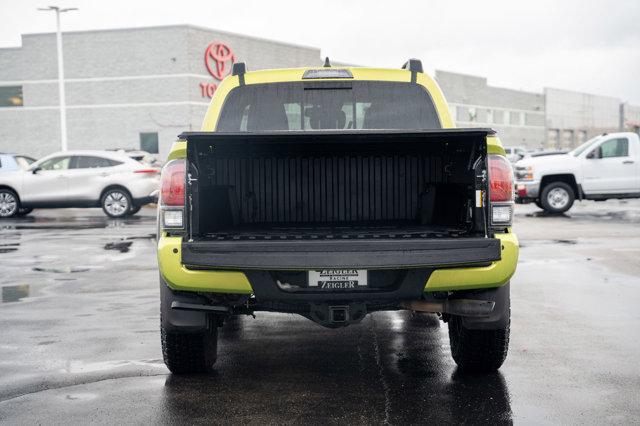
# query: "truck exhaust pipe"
461,307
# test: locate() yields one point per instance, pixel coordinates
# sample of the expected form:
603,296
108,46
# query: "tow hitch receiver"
334,316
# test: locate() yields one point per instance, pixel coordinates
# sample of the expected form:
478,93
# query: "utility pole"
63,107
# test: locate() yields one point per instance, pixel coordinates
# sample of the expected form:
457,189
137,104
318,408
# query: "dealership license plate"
338,279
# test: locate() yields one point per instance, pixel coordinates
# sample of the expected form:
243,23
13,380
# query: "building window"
149,142
490,116
11,96
461,113
473,115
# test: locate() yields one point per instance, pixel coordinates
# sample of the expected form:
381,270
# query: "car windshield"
579,150
328,105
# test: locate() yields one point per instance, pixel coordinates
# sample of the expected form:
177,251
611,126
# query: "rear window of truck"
341,105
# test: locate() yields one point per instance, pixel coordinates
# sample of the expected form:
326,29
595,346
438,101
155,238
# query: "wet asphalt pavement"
79,338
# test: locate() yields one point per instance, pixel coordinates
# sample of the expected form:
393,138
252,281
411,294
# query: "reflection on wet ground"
14,293
613,210
8,247
392,368
84,347
121,246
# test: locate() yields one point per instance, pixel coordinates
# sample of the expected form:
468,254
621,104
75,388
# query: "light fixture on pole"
63,111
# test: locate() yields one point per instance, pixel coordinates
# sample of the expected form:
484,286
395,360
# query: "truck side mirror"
596,153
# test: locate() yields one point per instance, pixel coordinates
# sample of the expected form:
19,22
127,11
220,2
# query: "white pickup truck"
605,167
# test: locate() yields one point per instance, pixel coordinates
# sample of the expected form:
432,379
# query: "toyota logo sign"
218,59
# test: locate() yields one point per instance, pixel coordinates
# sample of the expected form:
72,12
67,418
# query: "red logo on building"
219,58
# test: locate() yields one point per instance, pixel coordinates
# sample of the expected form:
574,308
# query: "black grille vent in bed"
325,189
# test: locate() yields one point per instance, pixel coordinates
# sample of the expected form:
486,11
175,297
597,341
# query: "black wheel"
134,210
24,212
557,197
9,203
477,350
116,202
189,352
539,204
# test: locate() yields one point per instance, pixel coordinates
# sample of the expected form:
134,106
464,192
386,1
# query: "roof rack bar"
413,65
239,69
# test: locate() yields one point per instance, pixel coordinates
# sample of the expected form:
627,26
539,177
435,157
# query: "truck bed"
278,199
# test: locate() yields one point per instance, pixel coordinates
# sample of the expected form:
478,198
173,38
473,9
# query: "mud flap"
180,320
499,318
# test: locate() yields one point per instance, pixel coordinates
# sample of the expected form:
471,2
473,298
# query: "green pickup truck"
333,193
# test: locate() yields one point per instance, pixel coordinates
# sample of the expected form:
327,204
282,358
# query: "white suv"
113,181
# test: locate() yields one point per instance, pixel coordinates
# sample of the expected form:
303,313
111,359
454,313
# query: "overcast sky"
589,45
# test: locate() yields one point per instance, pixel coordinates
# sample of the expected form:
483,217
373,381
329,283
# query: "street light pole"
61,94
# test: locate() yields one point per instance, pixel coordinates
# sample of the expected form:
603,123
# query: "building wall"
120,83
631,117
517,116
574,117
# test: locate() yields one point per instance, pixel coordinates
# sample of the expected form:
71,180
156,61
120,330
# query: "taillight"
172,193
172,183
147,171
500,179
501,190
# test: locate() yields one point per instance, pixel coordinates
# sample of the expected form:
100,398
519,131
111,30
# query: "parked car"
13,162
138,155
333,193
515,153
605,167
115,182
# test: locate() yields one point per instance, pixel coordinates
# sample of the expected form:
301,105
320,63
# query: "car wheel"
9,203
557,197
116,203
23,212
477,350
187,352
539,204
134,210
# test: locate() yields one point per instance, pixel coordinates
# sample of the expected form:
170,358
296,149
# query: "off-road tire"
477,350
189,352
8,195
557,186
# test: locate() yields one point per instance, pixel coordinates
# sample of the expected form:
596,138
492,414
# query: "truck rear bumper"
442,277
329,254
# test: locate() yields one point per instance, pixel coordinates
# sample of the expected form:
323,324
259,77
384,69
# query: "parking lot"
79,321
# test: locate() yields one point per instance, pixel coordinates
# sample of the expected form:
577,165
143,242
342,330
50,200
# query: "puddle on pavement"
61,227
565,242
77,366
142,237
121,246
14,293
124,245
543,213
65,270
9,247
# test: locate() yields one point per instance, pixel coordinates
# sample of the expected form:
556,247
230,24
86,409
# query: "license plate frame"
338,279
